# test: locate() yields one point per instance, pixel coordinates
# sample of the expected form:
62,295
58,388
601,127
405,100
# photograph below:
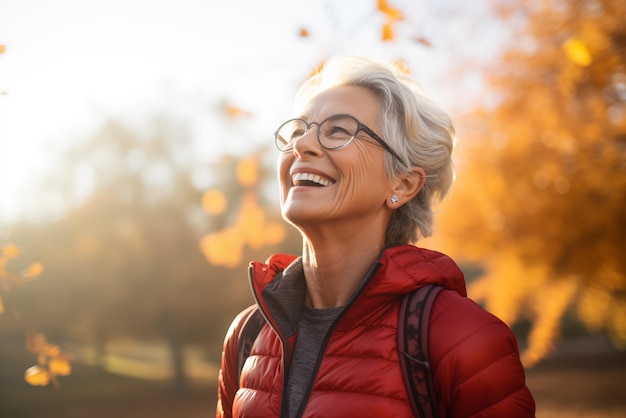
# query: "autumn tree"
123,258
541,191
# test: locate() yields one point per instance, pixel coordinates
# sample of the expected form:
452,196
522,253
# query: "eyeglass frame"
359,127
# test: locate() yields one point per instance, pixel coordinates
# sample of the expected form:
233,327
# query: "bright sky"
70,65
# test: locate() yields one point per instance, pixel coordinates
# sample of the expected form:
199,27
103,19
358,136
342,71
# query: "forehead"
352,100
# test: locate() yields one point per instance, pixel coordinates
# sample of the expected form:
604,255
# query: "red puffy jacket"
474,356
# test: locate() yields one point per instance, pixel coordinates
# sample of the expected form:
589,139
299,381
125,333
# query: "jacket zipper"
320,357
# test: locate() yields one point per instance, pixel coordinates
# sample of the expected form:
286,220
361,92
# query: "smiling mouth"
308,179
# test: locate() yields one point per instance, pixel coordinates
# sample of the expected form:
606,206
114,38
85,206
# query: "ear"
406,186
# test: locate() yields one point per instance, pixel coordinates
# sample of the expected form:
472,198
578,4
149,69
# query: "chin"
298,216
290,215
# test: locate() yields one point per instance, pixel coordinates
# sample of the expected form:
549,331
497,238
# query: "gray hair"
414,126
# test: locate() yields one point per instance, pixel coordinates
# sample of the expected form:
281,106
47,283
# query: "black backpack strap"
413,327
250,330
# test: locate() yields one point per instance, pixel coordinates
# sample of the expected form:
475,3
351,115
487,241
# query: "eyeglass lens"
334,132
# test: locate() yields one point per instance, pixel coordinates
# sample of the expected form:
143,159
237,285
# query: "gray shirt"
312,329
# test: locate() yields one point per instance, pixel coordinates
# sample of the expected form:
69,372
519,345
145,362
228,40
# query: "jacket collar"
279,287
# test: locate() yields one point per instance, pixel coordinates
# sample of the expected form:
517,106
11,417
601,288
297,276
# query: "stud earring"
394,199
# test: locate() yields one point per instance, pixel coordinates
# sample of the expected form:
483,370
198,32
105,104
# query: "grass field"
584,378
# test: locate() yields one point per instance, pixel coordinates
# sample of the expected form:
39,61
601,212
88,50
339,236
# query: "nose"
308,143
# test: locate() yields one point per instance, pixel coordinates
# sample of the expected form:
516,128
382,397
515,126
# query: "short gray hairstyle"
419,130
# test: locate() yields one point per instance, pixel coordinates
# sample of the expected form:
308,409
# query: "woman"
362,164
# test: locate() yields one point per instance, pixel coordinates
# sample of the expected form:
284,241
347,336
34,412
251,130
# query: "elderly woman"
362,163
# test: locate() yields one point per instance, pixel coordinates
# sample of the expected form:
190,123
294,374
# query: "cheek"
363,171
282,172
366,165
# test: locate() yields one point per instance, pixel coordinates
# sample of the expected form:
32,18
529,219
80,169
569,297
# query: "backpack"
413,327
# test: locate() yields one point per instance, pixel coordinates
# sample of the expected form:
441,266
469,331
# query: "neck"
336,262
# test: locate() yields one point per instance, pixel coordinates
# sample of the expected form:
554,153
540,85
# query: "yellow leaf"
37,376
214,202
304,33
391,12
1,306
223,248
247,172
11,251
2,49
402,66
387,34
233,112
60,366
251,220
577,51
317,69
34,270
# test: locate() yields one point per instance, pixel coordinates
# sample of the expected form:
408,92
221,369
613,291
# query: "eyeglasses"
334,132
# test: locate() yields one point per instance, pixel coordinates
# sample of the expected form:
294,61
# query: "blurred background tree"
541,194
124,261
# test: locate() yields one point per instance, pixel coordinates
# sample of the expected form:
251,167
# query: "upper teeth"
311,177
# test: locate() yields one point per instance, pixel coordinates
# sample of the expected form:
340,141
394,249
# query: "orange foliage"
577,51
37,376
214,202
547,307
317,69
10,251
8,279
529,291
403,67
251,228
541,190
234,112
34,270
225,247
392,16
304,33
248,172
387,33
52,360
391,12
